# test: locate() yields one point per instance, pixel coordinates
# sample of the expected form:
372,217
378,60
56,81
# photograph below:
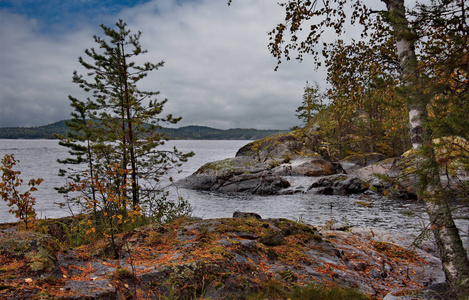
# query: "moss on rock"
273,238
38,248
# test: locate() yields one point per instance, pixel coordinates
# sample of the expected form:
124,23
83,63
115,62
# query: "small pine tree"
115,131
311,105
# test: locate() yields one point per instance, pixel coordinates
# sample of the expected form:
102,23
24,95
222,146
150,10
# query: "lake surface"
38,158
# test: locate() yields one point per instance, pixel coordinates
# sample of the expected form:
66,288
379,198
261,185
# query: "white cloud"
218,70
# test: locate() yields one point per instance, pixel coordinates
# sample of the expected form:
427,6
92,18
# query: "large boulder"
307,167
37,250
276,149
239,174
355,162
288,155
450,155
339,184
374,177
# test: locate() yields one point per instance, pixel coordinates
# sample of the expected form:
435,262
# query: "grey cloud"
36,73
218,71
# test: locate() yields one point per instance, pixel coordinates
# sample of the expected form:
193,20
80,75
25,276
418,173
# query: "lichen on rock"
234,175
226,258
38,249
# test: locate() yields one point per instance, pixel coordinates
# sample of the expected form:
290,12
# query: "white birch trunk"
452,253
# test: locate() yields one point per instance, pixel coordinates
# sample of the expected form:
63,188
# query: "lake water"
38,158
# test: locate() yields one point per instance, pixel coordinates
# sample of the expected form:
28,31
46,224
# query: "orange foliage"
22,204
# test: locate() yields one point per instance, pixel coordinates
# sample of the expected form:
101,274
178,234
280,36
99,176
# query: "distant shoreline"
182,133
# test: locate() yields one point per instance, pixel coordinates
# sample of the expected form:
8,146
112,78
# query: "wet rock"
235,175
247,235
292,191
339,185
378,274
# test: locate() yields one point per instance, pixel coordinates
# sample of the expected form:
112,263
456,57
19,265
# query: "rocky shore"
263,166
229,258
236,258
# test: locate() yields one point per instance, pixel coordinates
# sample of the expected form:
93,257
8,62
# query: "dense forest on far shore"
182,133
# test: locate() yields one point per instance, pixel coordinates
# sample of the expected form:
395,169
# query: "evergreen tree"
115,130
311,104
78,140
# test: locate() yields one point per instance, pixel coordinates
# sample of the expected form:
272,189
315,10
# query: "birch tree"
302,33
363,75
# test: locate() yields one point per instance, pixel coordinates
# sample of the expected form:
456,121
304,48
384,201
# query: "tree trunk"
452,253
130,135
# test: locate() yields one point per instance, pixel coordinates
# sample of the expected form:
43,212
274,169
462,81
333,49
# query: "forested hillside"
40,132
182,133
208,133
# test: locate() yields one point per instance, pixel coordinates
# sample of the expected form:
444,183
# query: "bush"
22,204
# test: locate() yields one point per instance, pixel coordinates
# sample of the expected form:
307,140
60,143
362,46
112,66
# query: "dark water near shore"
38,158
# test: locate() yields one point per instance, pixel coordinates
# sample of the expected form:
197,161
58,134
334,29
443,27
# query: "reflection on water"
38,159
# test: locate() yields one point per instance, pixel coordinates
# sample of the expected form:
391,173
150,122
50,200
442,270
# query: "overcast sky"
218,71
